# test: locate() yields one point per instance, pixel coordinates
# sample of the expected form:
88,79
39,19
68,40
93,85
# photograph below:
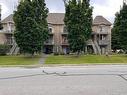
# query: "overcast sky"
106,8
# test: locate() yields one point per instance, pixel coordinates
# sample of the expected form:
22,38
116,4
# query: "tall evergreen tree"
78,21
31,25
115,33
119,31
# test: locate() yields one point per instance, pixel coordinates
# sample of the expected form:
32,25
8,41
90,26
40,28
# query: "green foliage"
4,49
18,60
119,31
115,33
78,20
87,59
31,26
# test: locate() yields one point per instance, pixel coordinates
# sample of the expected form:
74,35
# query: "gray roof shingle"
58,18
53,18
101,20
8,19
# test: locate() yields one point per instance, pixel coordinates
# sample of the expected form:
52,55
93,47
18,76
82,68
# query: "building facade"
100,42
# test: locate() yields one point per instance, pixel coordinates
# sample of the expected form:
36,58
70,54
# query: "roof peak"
98,20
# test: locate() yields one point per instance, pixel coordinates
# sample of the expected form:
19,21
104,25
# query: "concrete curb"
60,65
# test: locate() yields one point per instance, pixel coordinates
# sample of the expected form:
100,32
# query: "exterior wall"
103,38
8,27
5,27
6,34
2,38
109,37
95,28
59,44
58,37
57,30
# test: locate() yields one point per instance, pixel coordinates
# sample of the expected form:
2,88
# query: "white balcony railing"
7,31
102,32
49,42
103,42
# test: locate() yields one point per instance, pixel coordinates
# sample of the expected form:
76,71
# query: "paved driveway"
80,80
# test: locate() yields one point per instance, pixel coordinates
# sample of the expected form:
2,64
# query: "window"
10,27
65,29
50,29
103,37
101,28
64,40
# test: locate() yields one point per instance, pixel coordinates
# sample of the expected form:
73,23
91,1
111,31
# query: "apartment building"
100,42
101,36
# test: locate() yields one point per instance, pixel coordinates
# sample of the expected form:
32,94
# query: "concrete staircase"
14,50
98,50
95,46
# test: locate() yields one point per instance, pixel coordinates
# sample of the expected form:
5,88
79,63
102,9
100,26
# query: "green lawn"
88,59
18,60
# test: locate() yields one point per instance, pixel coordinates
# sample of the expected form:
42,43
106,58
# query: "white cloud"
5,10
57,6
7,7
106,8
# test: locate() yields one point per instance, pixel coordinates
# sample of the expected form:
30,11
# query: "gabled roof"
8,19
101,20
53,18
58,18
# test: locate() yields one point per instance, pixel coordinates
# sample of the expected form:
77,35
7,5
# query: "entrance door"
48,50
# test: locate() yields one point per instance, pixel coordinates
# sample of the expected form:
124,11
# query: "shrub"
4,49
56,53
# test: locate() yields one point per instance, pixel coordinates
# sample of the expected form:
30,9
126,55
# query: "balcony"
103,33
7,31
89,42
103,42
9,42
65,42
64,33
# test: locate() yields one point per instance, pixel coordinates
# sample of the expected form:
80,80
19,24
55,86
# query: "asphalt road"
78,80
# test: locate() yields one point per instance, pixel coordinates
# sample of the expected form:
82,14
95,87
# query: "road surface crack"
122,76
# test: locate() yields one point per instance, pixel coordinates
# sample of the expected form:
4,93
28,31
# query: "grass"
64,59
88,59
18,60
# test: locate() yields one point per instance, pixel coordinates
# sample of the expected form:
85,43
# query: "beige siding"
2,38
57,25
57,30
95,28
8,27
